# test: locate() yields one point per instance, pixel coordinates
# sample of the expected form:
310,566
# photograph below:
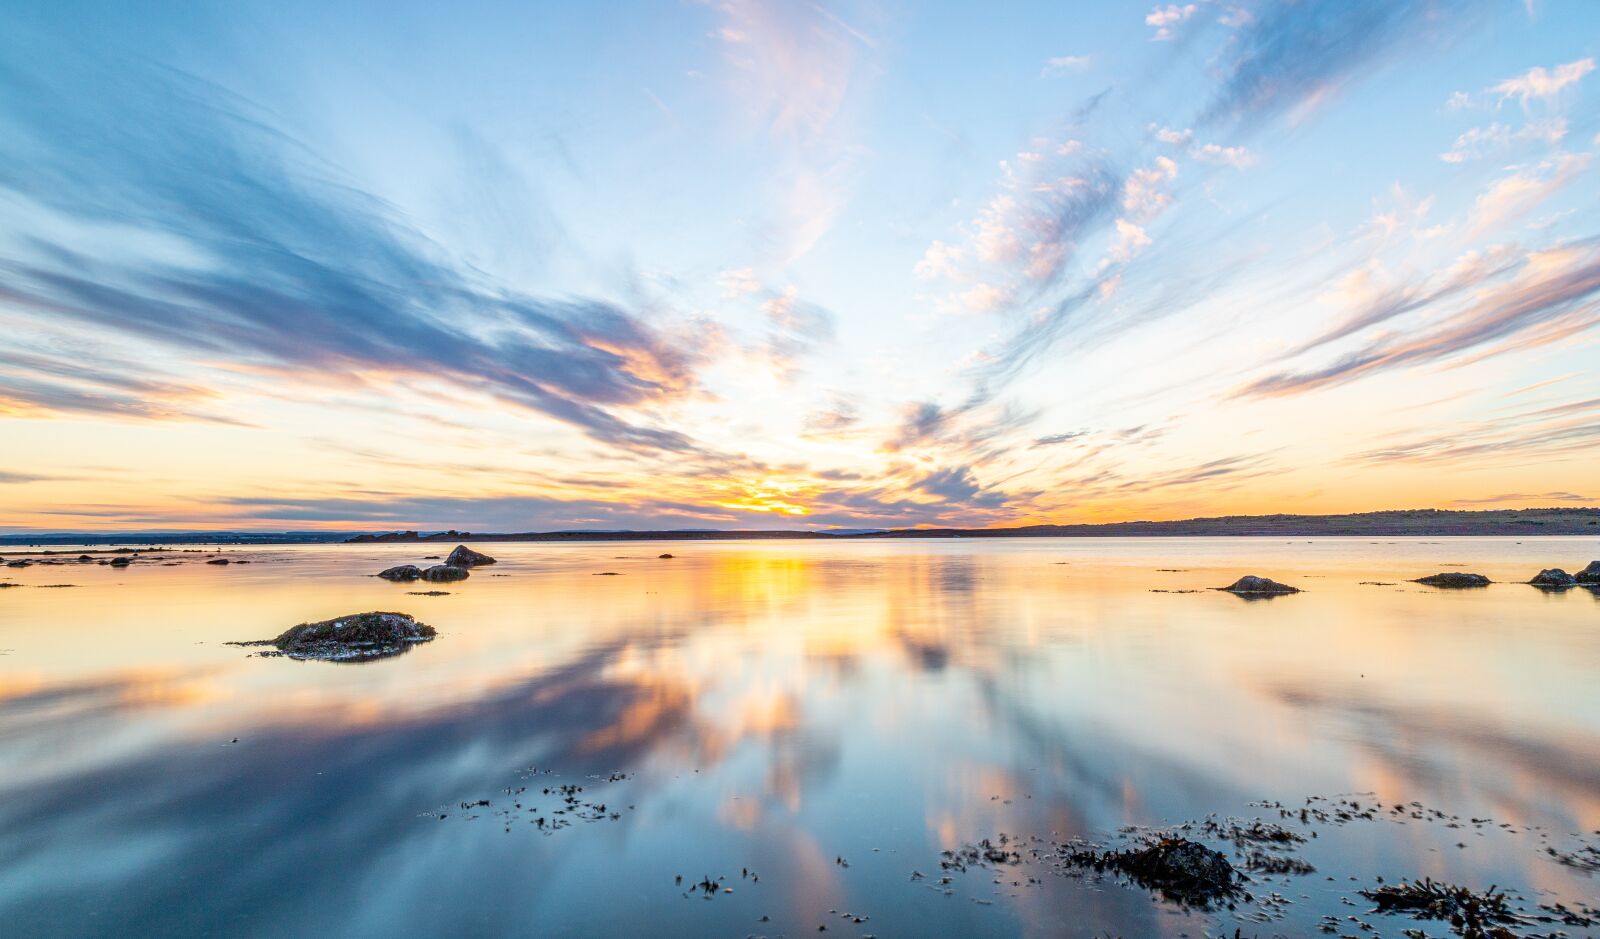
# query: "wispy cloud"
799,69
1066,63
1541,83
1292,56
1166,19
1548,300
286,269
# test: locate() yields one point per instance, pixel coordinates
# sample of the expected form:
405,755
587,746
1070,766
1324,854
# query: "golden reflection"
801,691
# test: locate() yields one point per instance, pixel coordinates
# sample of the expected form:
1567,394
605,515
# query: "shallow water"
781,707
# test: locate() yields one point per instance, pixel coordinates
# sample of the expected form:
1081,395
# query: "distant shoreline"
1414,523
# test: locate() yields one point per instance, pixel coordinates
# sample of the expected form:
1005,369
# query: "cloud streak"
286,269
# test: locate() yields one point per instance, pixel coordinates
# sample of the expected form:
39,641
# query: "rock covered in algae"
1453,580
1252,584
356,637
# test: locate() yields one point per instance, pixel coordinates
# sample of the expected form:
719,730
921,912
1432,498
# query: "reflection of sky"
753,263
781,705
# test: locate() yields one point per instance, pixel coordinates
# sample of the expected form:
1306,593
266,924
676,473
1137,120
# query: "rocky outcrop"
1259,586
1454,580
464,556
1553,578
1589,575
357,637
445,574
405,573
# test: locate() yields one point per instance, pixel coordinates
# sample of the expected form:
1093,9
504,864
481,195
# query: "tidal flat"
1005,737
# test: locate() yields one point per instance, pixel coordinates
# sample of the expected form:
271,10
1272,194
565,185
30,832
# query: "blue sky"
511,266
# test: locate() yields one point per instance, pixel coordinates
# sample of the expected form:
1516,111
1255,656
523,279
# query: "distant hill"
1397,523
1404,523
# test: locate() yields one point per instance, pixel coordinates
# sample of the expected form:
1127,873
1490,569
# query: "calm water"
778,707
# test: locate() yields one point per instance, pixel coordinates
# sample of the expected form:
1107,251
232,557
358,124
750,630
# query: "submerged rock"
664,557
220,561
1589,575
1454,579
464,556
355,637
1553,577
402,574
445,573
1258,585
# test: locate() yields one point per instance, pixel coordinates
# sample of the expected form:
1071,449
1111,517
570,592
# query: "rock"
402,574
23,563
121,562
84,559
664,557
1589,575
464,556
1553,577
1258,585
445,573
356,637
220,561
1454,580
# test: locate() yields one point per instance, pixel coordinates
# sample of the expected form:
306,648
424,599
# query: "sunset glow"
740,264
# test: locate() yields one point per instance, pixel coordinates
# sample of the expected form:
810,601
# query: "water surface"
829,716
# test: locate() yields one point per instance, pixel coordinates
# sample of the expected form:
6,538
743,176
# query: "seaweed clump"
1182,870
1471,915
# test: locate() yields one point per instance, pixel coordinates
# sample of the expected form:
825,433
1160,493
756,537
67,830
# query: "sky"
502,266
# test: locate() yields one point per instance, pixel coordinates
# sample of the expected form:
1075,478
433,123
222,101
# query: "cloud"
939,261
1144,194
1020,240
1516,194
739,283
1065,63
1528,499
954,484
281,268
1130,240
1480,141
839,415
798,69
1549,301
1541,83
1237,157
1050,440
920,423
795,329
1165,18
1292,56
7,477
985,298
